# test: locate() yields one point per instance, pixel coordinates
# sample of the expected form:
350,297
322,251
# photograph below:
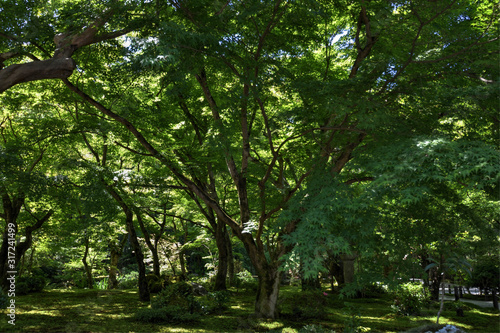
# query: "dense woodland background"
209,140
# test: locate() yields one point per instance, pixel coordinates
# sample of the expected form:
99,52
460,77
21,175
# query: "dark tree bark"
139,256
220,239
152,247
60,65
9,260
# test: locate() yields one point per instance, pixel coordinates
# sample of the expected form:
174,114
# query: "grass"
113,311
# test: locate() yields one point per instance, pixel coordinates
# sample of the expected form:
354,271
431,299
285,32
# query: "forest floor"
80,310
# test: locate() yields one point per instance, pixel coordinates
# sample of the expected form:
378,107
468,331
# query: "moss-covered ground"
113,311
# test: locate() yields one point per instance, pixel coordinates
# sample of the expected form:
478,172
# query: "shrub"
30,284
4,300
409,299
175,303
169,314
129,281
246,281
179,294
216,301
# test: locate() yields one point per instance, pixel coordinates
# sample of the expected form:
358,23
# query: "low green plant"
175,303
128,281
216,301
30,284
4,300
352,322
169,314
315,329
409,299
101,285
245,280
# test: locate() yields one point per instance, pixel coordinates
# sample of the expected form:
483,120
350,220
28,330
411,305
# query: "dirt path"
483,304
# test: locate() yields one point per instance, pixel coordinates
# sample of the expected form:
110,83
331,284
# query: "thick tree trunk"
113,269
220,239
267,293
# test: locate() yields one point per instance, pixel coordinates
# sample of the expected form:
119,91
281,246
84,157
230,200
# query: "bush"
246,281
175,303
157,284
129,281
179,294
409,299
4,300
216,301
30,284
169,314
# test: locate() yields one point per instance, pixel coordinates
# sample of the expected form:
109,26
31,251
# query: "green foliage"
175,303
169,314
307,305
409,299
486,273
128,281
352,321
245,280
177,294
4,300
315,329
101,285
215,302
156,284
29,284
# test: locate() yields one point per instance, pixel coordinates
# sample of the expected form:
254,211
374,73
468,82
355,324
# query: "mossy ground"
113,311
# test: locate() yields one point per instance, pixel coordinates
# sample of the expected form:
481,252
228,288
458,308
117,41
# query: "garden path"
484,304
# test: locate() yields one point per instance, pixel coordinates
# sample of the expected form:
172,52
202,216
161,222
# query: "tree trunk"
220,239
116,251
152,247
88,269
442,304
139,256
230,257
267,293
182,263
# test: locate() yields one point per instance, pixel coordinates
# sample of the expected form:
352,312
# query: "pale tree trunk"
116,251
88,269
442,301
230,257
267,293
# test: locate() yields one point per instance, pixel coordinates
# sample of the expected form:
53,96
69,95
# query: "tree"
265,92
